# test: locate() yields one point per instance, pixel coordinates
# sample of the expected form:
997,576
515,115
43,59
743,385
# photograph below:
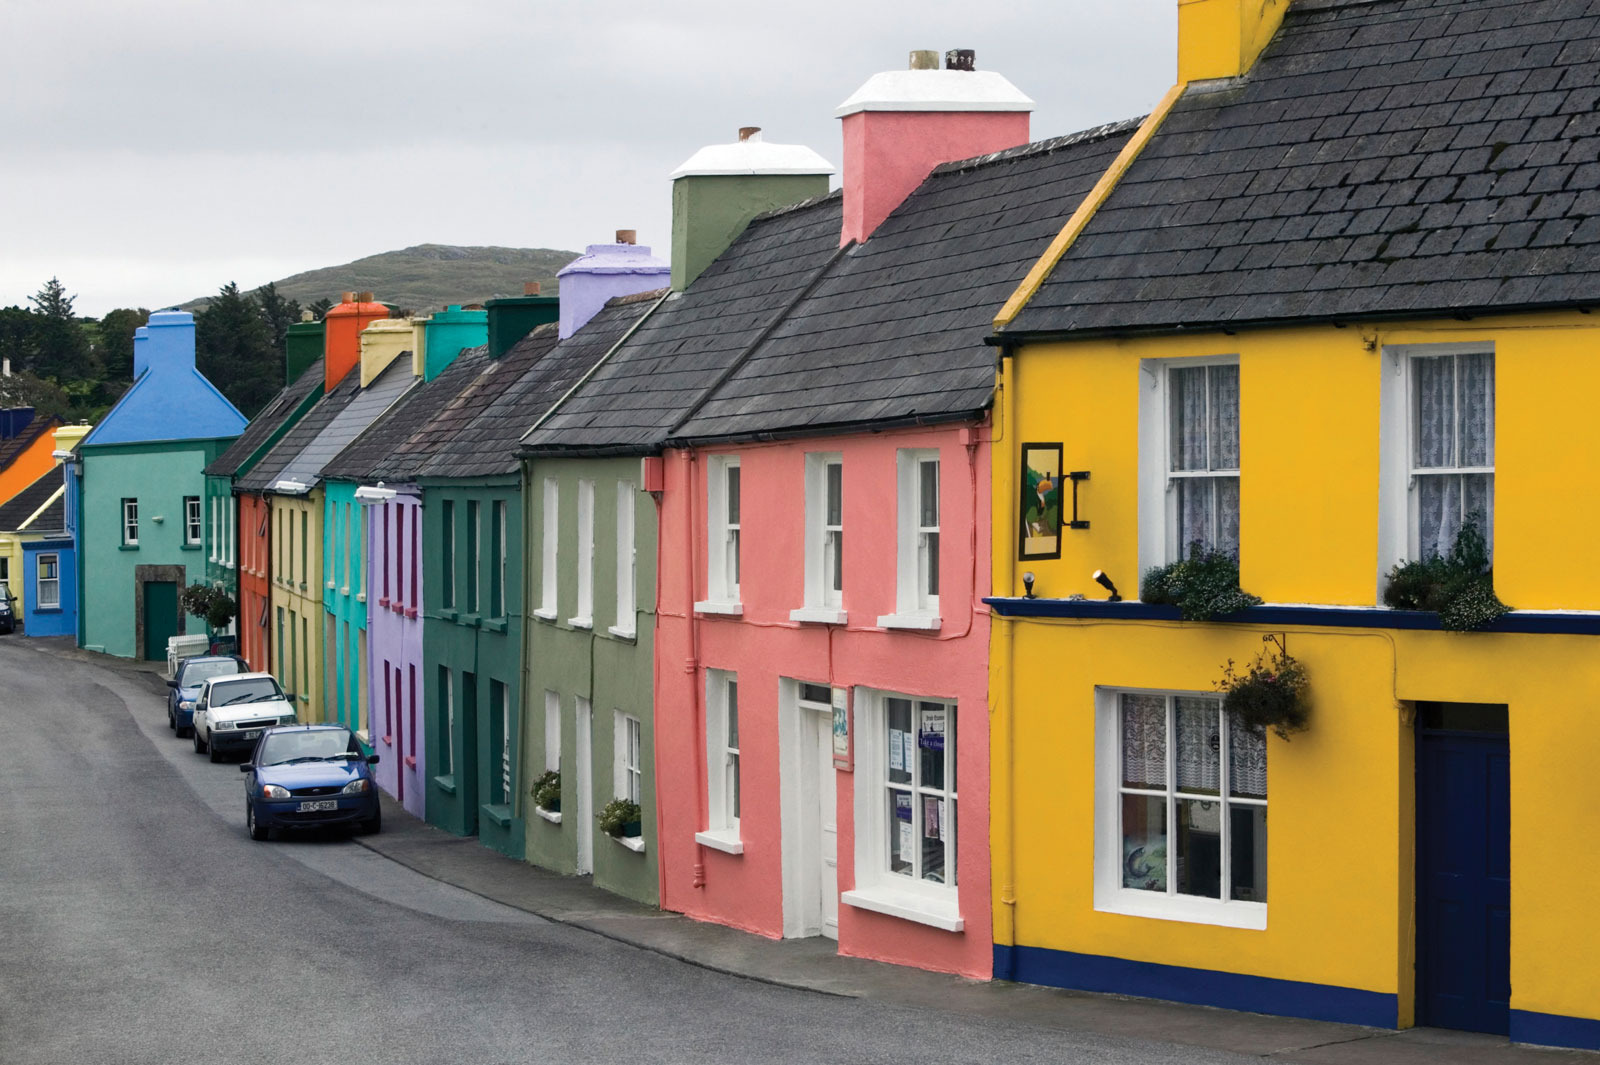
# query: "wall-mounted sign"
1039,534
843,754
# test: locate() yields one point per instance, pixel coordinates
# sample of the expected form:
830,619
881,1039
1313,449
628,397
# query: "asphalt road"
140,924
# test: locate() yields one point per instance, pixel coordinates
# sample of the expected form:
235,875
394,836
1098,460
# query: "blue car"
184,687
310,776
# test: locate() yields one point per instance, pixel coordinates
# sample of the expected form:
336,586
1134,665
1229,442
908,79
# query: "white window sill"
818,615
725,840
922,622
623,634
581,623
553,816
546,615
1131,903
908,906
633,843
713,606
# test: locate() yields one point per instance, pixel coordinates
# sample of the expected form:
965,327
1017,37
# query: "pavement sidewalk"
814,965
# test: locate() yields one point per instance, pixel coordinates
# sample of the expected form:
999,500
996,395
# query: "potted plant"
546,791
1203,586
1274,692
1458,586
621,817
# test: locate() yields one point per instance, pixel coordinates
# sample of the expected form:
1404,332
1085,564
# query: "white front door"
585,788
828,823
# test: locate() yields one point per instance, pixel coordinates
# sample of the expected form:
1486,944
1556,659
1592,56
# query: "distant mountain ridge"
426,277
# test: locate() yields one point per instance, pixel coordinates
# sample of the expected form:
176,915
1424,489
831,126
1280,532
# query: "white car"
230,712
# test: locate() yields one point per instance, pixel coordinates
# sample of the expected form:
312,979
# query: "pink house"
821,686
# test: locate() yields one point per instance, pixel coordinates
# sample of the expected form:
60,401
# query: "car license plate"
319,804
254,733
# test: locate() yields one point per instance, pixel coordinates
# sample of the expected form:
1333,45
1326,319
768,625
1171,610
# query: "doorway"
160,618
1463,866
811,822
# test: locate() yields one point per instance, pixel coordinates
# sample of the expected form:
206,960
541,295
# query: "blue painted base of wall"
1200,987
1552,1030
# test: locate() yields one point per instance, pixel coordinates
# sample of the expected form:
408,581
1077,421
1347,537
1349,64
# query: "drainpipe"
692,666
1002,755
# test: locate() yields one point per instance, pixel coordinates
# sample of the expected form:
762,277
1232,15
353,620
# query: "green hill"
428,276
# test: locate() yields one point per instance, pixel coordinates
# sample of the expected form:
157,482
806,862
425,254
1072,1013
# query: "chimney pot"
347,297
924,59
961,59
365,297
472,306
530,288
308,316
749,133
627,236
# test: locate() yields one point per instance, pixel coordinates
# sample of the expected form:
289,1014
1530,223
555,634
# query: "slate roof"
303,432
895,329
489,444
364,407
376,454
681,349
1398,157
19,507
267,421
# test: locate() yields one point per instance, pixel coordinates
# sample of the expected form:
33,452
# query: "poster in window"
842,754
1040,503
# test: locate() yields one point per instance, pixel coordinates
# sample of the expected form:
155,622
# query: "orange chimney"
344,323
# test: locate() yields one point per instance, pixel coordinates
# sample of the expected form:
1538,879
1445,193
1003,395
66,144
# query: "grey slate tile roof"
267,421
682,348
894,331
488,443
1400,157
364,407
300,435
21,506
380,453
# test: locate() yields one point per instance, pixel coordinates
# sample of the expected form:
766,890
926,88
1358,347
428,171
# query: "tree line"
77,368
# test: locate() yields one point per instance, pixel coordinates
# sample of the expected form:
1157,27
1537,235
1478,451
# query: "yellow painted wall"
1341,848
297,587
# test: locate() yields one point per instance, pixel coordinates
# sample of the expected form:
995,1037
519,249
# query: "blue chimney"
170,348
13,421
141,355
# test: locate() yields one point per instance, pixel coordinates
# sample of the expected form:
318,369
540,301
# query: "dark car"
184,687
8,611
310,776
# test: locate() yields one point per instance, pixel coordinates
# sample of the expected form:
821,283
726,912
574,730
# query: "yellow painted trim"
31,518
1086,210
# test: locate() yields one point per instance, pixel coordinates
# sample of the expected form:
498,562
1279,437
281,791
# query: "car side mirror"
246,768
172,684
372,759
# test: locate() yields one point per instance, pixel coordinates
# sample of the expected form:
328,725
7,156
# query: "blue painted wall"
62,621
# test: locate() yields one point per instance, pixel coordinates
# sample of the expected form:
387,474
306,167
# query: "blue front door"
1463,867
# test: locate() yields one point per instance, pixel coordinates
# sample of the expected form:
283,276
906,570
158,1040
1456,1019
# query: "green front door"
160,618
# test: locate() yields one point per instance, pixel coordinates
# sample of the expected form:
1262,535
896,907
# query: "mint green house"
142,526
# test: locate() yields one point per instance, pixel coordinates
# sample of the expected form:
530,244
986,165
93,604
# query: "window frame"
627,745
497,558
627,620
447,591
130,521
552,731
193,522
549,540
915,606
724,537
1109,894
1397,524
878,887
583,618
1158,517
723,778
40,580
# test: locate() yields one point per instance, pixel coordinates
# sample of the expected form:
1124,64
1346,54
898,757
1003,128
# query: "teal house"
142,522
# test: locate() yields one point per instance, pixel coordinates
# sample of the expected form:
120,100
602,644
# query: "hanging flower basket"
1274,692
547,791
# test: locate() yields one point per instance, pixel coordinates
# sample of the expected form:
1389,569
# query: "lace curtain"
1454,429
1204,437
1144,741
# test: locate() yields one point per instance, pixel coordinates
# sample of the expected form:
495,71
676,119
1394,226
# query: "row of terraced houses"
787,535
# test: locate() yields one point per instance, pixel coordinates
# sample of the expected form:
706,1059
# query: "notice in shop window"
932,818
902,815
909,754
897,757
933,730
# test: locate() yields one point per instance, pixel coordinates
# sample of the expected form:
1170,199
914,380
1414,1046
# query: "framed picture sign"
1039,488
843,752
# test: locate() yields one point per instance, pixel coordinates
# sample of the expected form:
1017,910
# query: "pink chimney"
903,123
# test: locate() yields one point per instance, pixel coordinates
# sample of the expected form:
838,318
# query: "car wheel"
199,744
373,826
257,832
172,719
216,755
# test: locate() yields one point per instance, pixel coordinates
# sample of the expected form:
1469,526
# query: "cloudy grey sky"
153,151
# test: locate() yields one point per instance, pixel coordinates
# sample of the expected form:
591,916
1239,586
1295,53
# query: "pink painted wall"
745,891
887,154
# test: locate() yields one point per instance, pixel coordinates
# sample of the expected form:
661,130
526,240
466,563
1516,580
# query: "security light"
377,493
1027,583
1103,581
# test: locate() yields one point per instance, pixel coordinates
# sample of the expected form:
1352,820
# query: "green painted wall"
482,651
159,476
221,519
614,673
709,211
344,598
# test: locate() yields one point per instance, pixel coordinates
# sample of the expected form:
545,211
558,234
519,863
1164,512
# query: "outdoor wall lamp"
374,493
1027,583
1103,581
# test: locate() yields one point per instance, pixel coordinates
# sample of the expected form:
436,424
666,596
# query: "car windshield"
319,746
197,673
254,690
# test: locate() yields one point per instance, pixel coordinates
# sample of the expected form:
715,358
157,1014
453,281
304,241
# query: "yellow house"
31,502
1330,308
